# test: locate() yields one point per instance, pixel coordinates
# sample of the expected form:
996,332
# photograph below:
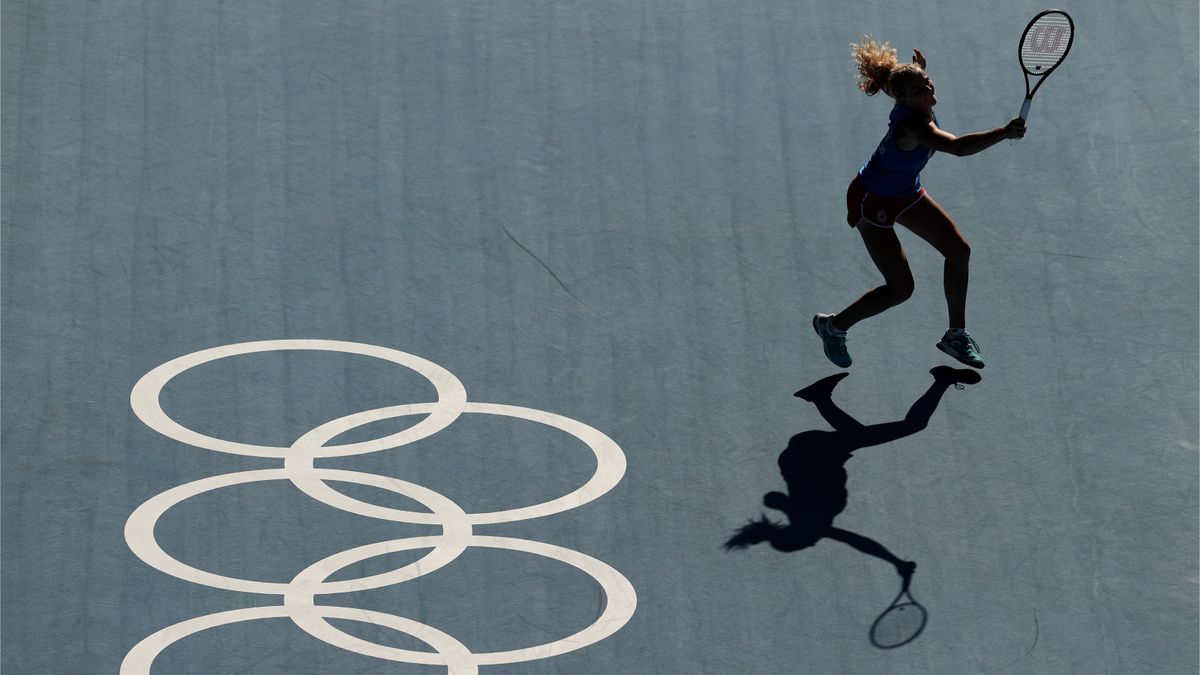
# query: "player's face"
921,92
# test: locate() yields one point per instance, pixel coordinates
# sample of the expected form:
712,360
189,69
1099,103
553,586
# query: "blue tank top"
892,172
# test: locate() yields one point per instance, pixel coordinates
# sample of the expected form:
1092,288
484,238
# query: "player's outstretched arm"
931,136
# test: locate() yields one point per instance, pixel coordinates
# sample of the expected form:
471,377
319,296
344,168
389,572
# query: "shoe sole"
958,358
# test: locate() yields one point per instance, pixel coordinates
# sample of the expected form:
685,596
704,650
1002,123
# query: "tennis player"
887,190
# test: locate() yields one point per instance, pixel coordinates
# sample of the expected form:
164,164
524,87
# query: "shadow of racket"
901,622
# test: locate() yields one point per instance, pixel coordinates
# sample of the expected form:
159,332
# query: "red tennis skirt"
879,211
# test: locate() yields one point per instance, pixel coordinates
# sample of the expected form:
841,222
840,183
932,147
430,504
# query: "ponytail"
878,67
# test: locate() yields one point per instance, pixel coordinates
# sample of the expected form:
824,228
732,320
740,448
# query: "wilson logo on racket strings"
298,595
1046,39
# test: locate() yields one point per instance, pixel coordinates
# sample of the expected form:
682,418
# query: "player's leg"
888,255
929,221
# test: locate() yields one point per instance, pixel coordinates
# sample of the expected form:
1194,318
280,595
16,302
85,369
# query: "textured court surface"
561,257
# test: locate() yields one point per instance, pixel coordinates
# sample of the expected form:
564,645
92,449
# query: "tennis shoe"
834,339
962,347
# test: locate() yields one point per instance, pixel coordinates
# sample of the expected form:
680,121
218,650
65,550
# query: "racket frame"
1042,75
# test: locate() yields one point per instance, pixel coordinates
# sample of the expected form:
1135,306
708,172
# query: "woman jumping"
888,190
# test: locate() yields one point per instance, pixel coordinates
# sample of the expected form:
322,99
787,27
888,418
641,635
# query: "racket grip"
1025,108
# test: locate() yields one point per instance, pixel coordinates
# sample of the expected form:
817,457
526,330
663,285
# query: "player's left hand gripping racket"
1044,45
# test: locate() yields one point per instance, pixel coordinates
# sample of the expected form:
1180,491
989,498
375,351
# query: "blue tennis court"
457,337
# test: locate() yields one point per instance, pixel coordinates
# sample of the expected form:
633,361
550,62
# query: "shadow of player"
813,467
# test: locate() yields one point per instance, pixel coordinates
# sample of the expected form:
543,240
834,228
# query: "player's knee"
900,290
961,253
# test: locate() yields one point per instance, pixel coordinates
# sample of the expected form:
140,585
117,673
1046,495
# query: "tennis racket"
1044,45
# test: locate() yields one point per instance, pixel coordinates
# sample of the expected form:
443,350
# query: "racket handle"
1025,108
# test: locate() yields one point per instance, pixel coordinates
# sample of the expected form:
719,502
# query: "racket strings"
1046,42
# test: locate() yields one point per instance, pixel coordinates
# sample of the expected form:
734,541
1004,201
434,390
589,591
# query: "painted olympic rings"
298,595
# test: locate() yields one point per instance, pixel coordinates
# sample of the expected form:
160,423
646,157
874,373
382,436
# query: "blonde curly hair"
878,68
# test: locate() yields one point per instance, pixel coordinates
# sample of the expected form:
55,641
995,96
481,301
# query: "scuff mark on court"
550,271
1037,632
